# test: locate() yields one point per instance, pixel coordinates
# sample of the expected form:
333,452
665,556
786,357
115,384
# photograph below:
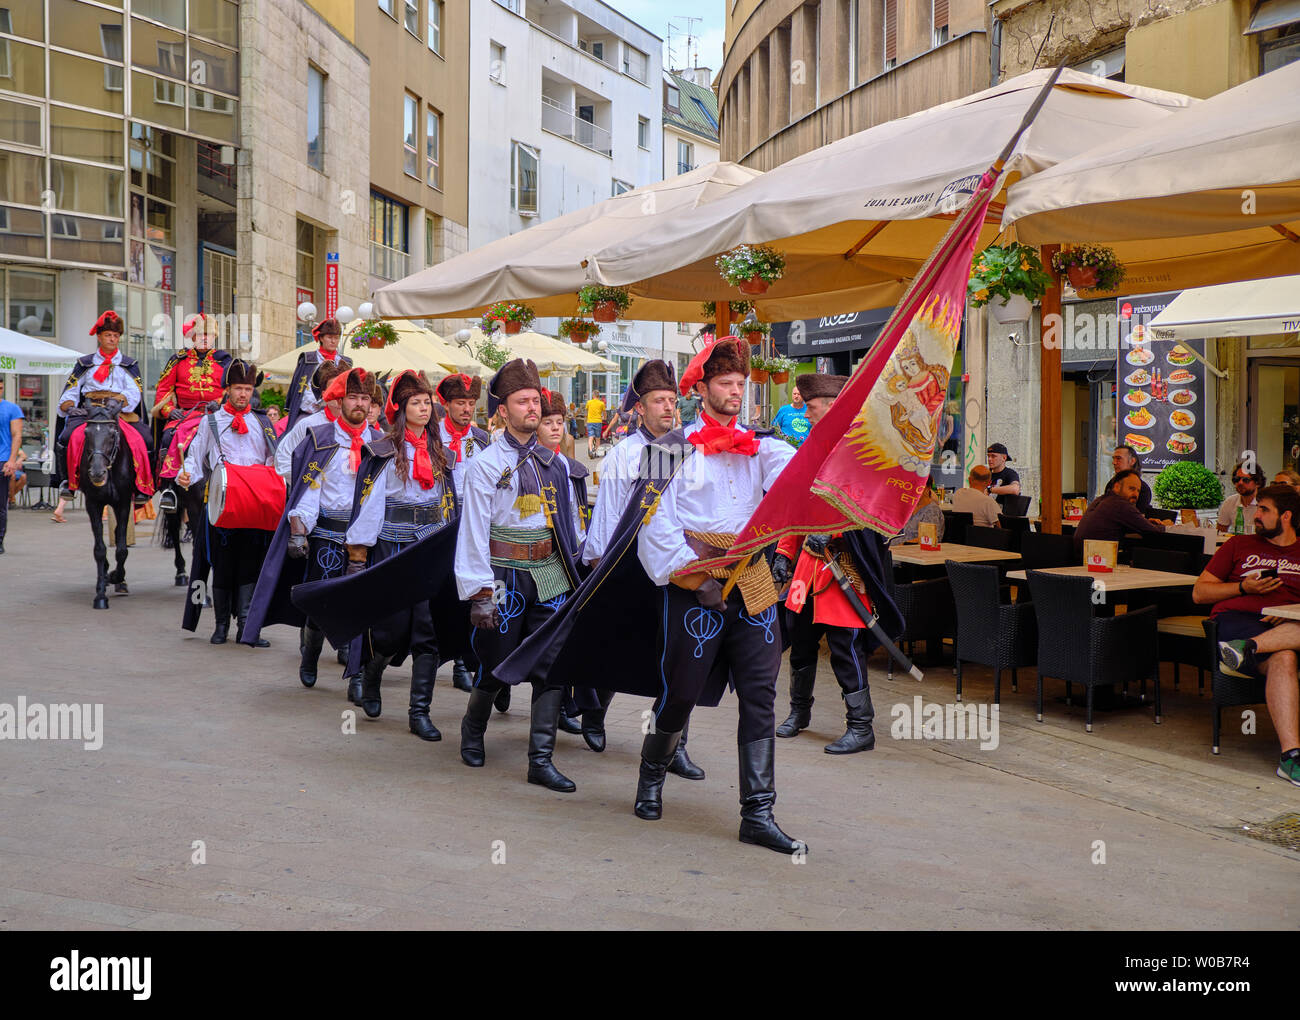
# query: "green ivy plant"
1187,485
754,327
492,352
1004,270
592,295
739,309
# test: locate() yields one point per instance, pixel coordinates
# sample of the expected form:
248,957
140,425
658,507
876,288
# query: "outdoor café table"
1122,578
1291,612
917,556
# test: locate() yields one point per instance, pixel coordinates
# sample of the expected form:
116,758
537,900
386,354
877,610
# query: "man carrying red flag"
817,606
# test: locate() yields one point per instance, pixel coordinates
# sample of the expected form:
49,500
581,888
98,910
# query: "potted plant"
756,331
373,333
1009,279
515,317
739,309
492,353
578,330
604,304
758,370
779,369
1089,267
751,267
1187,485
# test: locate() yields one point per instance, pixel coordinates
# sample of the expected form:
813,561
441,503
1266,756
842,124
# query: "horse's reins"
110,455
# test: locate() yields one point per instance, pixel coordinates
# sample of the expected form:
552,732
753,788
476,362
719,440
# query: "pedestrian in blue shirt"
11,445
792,419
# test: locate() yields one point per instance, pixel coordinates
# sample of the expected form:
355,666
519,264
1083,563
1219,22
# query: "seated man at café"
1125,459
927,511
1115,513
1247,484
1288,476
1247,575
975,500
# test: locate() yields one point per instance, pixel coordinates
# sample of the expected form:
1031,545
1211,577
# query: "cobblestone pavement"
219,750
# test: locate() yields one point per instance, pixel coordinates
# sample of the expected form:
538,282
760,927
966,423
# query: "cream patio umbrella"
1208,197
449,355
391,358
552,356
542,265
856,218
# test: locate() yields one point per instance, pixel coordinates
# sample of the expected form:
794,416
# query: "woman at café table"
1115,513
1248,575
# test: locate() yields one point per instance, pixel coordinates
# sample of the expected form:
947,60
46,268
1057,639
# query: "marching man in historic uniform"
325,413
309,544
234,434
817,606
301,400
97,378
404,492
694,520
462,439
191,379
516,561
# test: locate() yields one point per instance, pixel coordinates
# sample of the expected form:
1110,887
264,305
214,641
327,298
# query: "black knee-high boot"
681,765
541,743
801,701
473,726
758,795
243,603
371,675
311,641
657,751
423,668
858,734
221,610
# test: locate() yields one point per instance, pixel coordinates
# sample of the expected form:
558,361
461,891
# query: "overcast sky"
656,14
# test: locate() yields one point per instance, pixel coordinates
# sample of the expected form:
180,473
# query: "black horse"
106,478
189,509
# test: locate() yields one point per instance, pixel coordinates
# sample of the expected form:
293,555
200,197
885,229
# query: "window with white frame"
643,132
387,7
410,134
411,17
634,63
617,187
939,19
890,33
497,63
685,156
432,148
525,162
435,26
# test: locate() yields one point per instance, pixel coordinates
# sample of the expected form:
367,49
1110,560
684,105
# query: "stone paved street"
304,826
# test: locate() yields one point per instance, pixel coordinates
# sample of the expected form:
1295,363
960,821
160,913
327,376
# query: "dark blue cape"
302,374
271,601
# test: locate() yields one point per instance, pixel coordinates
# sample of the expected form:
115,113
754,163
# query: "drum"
245,496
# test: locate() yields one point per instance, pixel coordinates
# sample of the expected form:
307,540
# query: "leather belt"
530,551
415,514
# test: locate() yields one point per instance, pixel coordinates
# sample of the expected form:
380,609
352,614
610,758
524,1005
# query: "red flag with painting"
865,463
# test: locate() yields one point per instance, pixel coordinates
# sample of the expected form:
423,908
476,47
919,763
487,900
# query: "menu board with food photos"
1161,406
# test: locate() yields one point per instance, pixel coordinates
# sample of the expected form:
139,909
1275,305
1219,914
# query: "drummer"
233,435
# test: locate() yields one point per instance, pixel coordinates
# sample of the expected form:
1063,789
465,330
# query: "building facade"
567,93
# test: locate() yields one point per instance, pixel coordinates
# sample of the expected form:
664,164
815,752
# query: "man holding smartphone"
1249,574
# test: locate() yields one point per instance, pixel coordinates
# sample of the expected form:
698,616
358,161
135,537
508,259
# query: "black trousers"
236,555
410,630
849,646
520,615
694,641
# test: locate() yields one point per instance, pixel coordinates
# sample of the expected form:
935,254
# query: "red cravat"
422,471
237,422
330,415
328,355
105,366
356,434
456,436
716,438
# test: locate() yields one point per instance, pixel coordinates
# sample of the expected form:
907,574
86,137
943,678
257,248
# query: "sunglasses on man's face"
1239,479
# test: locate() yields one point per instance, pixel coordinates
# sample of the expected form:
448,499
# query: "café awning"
1246,308
22,353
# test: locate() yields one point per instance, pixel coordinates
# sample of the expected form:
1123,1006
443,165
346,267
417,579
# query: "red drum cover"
254,497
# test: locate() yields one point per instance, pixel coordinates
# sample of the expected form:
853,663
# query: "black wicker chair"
1039,550
1014,524
928,614
1228,691
1016,506
1192,544
992,538
1169,602
955,523
1077,645
989,631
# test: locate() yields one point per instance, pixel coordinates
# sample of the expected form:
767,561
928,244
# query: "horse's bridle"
110,454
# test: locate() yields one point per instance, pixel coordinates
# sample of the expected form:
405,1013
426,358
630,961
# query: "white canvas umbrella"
552,356
1245,308
22,353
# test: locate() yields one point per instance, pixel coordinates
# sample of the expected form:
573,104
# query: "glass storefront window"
80,239
22,67
215,19
75,26
159,222
20,123
85,135
83,82
154,173
169,12
21,178
153,139
158,49
31,296
22,232
158,100
214,116
160,268
88,189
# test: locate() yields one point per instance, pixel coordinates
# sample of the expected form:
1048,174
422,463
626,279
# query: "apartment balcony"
389,263
558,119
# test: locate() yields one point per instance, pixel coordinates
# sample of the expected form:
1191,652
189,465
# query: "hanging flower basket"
758,375
578,330
604,304
513,316
754,337
739,309
1090,267
513,328
779,378
755,332
778,369
751,267
1016,308
373,333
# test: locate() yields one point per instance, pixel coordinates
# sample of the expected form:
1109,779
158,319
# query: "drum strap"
216,435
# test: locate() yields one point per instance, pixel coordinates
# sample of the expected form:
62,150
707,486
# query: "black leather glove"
176,414
709,595
816,544
355,567
297,547
781,569
483,613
